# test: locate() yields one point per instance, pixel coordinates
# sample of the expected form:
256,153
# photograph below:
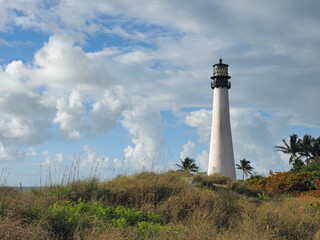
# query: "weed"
263,197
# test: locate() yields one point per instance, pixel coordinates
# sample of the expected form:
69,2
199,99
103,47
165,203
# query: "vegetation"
245,167
188,164
172,205
302,151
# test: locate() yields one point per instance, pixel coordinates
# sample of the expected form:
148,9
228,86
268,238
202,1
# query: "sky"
106,88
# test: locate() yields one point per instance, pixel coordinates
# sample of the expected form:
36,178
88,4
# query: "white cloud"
188,150
8,153
202,160
15,77
106,111
65,66
69,115
26,105
16,133
253,140
200,120
144,125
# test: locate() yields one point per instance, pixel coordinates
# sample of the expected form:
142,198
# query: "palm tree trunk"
243,175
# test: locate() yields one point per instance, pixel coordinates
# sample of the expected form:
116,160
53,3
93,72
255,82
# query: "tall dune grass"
190,206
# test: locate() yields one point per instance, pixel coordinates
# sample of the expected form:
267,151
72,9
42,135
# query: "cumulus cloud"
16,133
70,114
254,141
199,120
61,64
188,150
26,105
8,152
201,159
24,112
15,78
106,111
144,125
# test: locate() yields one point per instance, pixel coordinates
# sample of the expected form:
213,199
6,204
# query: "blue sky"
124,86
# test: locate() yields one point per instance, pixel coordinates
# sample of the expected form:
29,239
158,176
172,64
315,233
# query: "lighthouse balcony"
216,83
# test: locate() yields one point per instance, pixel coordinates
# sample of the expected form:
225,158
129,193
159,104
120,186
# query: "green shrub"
313,167
65,217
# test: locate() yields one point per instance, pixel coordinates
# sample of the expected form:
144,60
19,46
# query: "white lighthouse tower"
221,159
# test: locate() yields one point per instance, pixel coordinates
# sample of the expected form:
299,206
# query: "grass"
172,205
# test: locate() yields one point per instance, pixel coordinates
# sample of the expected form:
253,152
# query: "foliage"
307,148
65,217
283,182
188,164
245,167
263,196
297,166
291,148
256,176
311,194
313,167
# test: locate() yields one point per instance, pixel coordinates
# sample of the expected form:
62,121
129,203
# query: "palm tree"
305,147
297,165
245,167
293,148
315,149
188,164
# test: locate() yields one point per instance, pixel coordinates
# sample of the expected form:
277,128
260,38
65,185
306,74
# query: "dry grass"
189,212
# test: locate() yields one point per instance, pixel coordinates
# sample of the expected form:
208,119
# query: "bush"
283,182
313,167
65,217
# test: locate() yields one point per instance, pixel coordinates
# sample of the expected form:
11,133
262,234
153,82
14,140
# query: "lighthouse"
221,159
